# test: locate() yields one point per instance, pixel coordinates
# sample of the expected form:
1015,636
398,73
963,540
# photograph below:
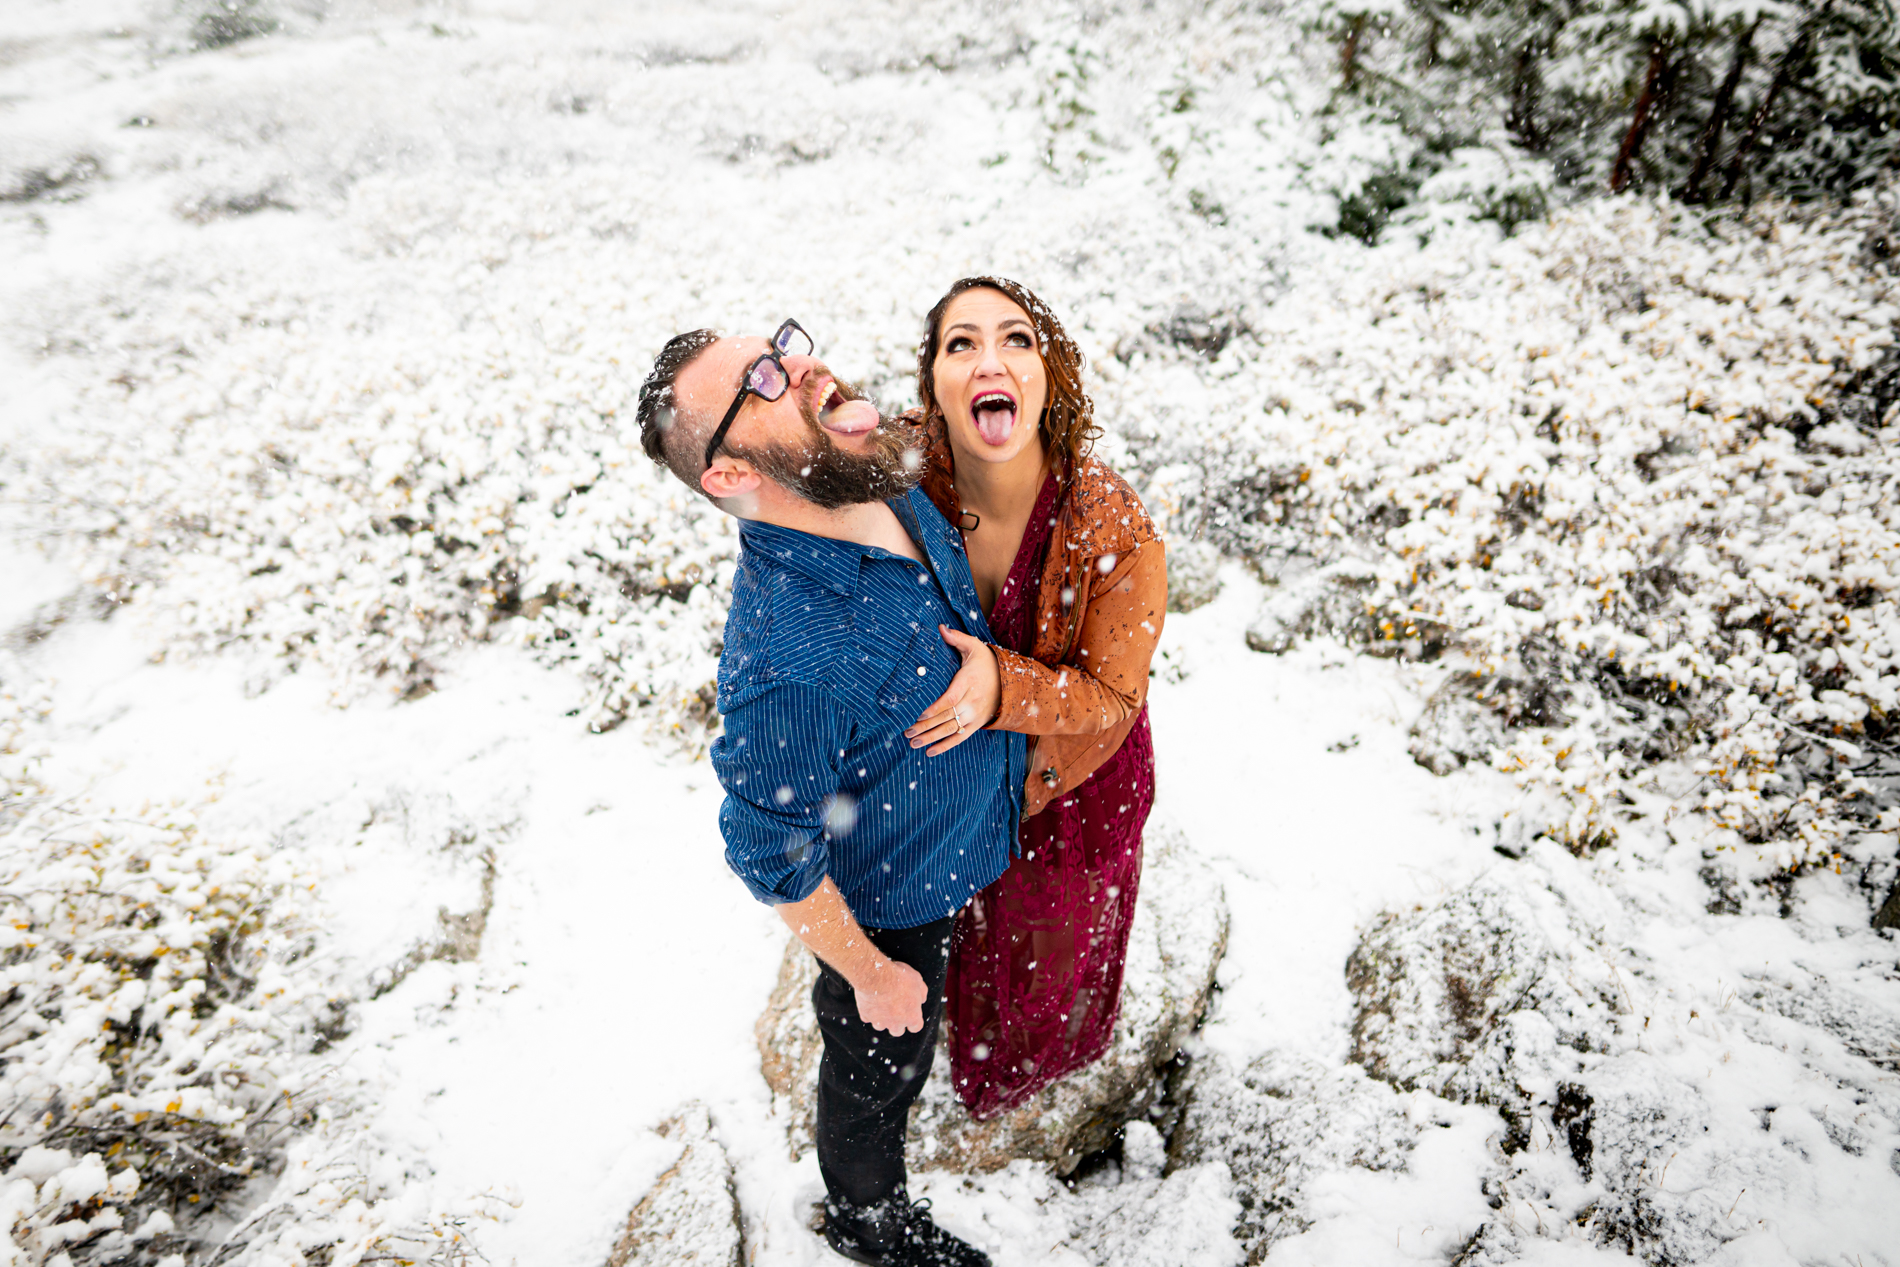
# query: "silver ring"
957,713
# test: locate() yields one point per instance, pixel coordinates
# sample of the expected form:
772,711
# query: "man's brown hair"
1068,419
664,442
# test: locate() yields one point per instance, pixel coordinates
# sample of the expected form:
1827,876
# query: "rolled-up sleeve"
778,762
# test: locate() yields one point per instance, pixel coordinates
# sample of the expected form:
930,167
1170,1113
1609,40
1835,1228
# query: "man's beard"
832,478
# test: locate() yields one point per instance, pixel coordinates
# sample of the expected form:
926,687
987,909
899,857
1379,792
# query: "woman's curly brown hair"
1068,420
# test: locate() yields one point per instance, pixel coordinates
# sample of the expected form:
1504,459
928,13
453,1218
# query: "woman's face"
989,377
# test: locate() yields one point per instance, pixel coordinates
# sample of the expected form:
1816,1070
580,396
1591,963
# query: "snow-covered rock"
1152,1218
1126,1215
690,1217
1643,1105
1277,1123
1176,943
1454,728
1436,988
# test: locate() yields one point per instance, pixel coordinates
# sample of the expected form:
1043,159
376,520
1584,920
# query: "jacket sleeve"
777,761
1108,680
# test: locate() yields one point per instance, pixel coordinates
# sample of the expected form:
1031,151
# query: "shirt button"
921,670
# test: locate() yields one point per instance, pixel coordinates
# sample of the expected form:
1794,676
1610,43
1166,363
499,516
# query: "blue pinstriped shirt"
831,651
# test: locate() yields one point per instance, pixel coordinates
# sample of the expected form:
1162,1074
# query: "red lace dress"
1035,975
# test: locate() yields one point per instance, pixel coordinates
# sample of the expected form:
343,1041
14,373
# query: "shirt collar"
925,529
834,564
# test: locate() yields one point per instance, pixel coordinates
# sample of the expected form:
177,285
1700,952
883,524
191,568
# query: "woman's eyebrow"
1005,324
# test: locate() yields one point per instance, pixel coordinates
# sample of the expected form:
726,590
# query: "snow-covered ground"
327,547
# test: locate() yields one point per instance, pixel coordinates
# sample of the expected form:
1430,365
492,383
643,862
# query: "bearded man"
847,578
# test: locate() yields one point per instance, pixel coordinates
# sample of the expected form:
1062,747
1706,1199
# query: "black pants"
868,1078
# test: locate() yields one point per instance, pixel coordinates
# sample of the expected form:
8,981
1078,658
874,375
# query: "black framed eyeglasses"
765,378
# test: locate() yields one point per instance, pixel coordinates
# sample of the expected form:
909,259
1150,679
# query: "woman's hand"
970,703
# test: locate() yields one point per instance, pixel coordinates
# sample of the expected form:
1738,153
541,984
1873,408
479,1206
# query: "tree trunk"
1655,87
1526,91
1797,52
1718,114
1349,51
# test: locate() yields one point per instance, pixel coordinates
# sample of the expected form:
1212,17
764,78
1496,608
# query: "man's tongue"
849,418
995,422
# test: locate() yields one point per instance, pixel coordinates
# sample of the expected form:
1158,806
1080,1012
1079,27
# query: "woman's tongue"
995,422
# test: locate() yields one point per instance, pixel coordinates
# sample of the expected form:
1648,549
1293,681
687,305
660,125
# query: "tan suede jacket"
1103,596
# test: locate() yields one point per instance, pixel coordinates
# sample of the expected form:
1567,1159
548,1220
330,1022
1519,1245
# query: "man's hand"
893,999
890,994
970,702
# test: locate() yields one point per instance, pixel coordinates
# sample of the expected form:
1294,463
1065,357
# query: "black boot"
896,1232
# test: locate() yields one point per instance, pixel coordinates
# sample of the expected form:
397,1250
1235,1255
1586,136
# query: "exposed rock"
1724,883
1193,575
1335,600
1640,1121
790,1045
1178,938
1871,859
690,1217
1179,935
1278,1122
1888,916
63,179
1541,682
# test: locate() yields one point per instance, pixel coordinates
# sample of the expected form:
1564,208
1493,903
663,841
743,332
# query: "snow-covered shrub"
24,704
147,1020
375,512
404,426
161,1016
1632,472
1612,466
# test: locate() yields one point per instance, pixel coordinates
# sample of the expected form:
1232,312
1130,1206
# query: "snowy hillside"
364,887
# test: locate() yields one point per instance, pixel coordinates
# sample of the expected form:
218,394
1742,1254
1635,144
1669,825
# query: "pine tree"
1703,99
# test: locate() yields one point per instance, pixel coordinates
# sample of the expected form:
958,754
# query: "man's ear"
729,477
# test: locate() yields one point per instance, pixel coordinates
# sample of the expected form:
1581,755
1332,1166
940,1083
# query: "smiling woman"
1074,579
